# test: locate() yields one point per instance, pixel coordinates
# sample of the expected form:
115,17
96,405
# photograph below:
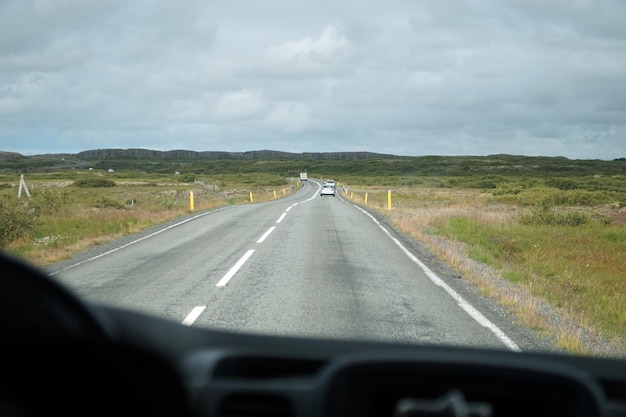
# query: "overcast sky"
440,77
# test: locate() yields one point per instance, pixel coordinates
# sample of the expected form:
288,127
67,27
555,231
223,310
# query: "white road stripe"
234,269
93,258
280,219
266,234
195,313
467,307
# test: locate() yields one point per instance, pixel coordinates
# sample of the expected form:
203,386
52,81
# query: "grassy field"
63,217
563,247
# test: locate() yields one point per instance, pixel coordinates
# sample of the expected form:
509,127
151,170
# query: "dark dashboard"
63,357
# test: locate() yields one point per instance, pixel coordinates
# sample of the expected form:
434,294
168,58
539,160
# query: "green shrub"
274,182
49,202
615,235
106,202
562,183
544,214
94,182
17,219
537,195
574,218
186,178
507,188
169,203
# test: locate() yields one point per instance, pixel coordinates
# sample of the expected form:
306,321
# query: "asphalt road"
303,265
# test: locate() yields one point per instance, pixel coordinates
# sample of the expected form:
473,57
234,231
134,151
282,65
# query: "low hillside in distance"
287,164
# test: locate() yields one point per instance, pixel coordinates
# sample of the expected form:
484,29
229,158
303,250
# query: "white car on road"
328,189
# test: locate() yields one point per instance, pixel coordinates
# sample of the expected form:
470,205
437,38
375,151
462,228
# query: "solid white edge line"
191,317
222,282
280,219
467,307
266,234
93,258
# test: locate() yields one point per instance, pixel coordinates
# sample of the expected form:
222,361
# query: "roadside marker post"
191,205
23,186
365,198
389,200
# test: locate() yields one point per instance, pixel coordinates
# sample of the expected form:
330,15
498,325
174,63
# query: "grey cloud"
417,78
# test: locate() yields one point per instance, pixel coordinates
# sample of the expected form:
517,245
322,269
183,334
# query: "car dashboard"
373,381
139,364
95,379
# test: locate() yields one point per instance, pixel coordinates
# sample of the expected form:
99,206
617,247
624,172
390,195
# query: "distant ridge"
10,155
214,155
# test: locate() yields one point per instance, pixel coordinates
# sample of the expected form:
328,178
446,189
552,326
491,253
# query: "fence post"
23,186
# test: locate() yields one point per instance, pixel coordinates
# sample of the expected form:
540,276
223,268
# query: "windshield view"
446,173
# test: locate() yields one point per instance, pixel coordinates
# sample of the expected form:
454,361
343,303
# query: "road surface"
303,265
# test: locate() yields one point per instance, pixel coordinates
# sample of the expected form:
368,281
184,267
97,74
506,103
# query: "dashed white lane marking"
266,234
234,269
222,282
467,307
195,313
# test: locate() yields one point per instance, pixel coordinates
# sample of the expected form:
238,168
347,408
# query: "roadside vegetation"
72,211
555,255
545,237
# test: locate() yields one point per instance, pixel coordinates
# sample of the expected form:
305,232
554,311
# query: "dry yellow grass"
91,217
414,213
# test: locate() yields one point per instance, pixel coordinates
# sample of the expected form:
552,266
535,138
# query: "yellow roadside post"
251,198
274,193
365,198
389,200
191,201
